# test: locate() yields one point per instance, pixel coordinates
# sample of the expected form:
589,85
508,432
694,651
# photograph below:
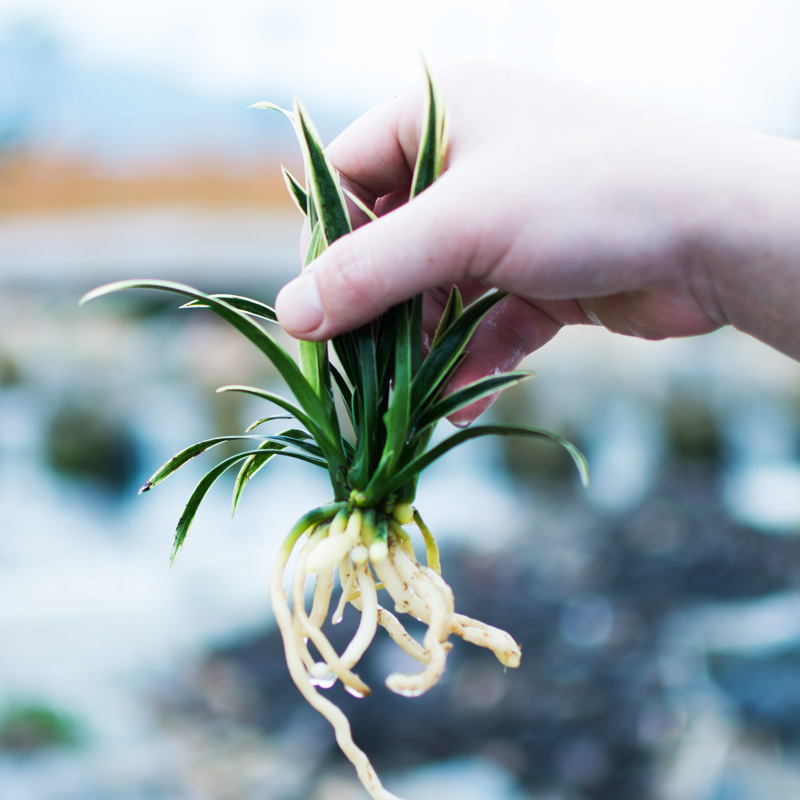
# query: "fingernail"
298,305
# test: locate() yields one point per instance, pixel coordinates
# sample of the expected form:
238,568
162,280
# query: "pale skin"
584,208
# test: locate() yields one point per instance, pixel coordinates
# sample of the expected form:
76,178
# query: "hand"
585,209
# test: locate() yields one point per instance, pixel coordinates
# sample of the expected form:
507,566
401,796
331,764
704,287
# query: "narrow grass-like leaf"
437,366
322,181
187,454
452,311
384,333
314,355
477,390
368,440
415,332
265,105
316,244
397,418
205,484
296,190
284,363
335,465
345,392
253,425
431,147
254,308
361,205
346,348
279,401
426,459
313,363
301,442
429,165
256,462
252,465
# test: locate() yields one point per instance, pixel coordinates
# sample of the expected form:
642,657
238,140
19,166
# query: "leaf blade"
201,490
322,180
426,459
308,400
477,390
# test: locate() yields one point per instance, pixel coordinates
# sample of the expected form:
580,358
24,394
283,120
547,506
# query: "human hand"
585,209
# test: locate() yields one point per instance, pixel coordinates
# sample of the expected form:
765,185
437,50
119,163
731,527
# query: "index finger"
376,154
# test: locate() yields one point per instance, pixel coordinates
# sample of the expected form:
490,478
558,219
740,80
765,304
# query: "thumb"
419,246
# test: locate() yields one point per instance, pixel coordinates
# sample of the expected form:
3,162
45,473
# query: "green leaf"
483,387
452,311
335,466
316,244
345,392
314,355
253,425
397,418
249,468
254,463
367,438
323,428
430,157
322,180
438,365
426,459
278,400
314,365
265,105
254,308
187,454
346,348
296,190
361,205
203,487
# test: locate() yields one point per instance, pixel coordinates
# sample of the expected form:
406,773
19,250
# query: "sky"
731,60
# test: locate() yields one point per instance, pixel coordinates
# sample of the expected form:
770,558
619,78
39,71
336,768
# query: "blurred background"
659,611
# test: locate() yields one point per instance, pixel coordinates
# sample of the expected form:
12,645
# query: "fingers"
415,247
376,154
375,157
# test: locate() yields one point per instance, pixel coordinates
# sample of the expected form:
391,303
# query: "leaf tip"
92,294
176,548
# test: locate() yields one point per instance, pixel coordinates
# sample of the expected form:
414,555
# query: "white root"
347,579
502,644
341,727
436,635
417,590
299,578
323,591
399,634
368,622
441,586
405,601
315,634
